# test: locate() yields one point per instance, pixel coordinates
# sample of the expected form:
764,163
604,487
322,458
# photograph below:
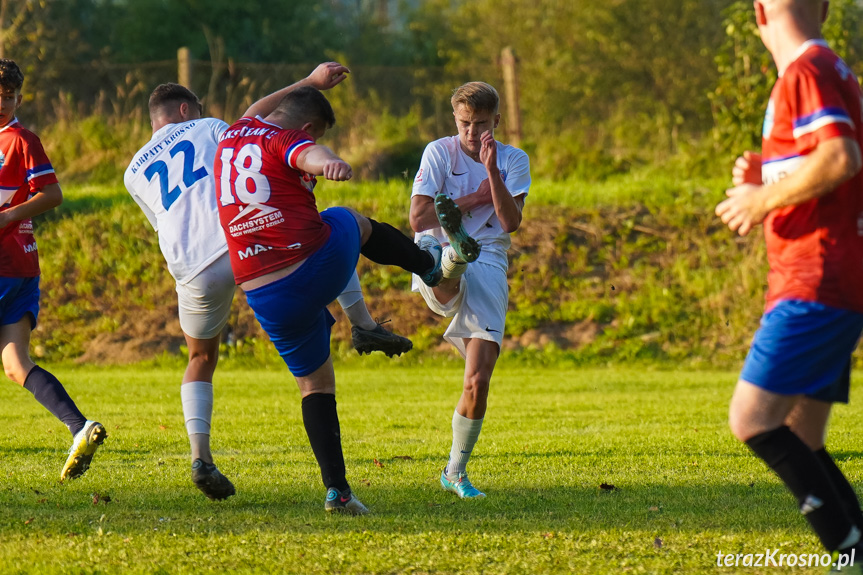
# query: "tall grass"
629,269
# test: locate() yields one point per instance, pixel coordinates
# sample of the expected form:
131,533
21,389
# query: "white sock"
465,432
452,265
197,399
852,539
351,300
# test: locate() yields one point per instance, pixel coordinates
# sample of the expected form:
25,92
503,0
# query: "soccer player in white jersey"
171,180
470,185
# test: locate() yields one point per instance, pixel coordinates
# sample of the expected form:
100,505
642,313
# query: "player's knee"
203,357
476,385
364,224
740,426
15,372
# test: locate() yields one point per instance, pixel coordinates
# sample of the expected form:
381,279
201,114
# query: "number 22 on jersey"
190,174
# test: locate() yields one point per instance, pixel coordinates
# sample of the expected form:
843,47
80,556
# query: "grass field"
685,490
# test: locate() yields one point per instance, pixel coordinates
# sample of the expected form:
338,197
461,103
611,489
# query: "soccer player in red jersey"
292,260
171,179
29,187
806,187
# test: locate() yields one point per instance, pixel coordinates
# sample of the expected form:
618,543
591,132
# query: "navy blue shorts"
293,310
804,348
18,297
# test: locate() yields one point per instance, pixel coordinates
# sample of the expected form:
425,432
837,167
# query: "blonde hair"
477,96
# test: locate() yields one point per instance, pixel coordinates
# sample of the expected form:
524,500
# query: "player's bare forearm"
422,216
324,77
830,164
45,199
319,160
507,208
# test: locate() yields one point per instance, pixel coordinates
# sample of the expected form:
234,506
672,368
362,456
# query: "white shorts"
205,300
479,308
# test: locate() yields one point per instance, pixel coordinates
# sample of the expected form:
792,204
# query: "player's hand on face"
747,169
327,75
488,151
744,209
337,170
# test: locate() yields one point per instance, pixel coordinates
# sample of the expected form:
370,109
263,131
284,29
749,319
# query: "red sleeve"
39,171
290,143
818,108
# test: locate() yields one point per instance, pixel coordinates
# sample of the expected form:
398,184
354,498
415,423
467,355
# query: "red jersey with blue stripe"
815,249
266,203
24,170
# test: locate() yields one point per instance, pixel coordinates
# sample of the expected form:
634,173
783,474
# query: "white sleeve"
218,127
518,174
431,176
151,217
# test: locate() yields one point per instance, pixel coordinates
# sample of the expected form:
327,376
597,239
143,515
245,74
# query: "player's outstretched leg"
431,246
388,246
367,334
449,217
84,446
451,264
211,482
379,339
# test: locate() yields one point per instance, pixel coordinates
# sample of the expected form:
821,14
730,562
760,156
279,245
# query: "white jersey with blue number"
171,179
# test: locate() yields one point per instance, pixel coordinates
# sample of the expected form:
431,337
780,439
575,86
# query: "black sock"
322,427
388,246
48,391
799,468
842,487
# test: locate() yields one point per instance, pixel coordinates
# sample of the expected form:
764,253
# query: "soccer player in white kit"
470,185
171,180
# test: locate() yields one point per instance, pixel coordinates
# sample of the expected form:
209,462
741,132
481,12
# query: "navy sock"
48,391
388,246
801,471
842,487
322,426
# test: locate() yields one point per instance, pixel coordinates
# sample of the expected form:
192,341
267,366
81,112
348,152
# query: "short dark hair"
169,94
477,96
305,105
11,77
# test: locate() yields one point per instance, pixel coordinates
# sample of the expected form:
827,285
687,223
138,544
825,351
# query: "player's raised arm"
321,161
323,77
507,209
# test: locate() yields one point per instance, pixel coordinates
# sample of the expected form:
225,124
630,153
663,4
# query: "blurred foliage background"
632,112
604,86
